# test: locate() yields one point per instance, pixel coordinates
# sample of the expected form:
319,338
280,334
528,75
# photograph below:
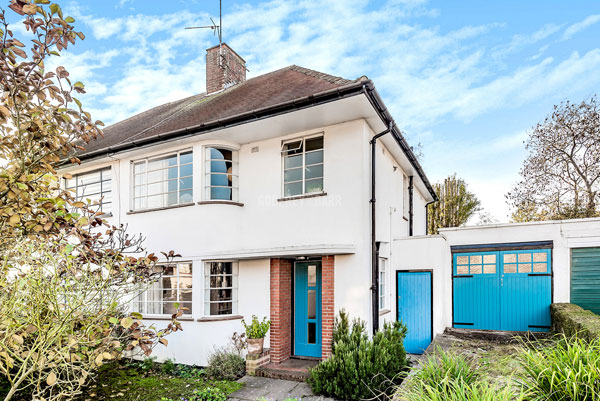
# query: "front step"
292,369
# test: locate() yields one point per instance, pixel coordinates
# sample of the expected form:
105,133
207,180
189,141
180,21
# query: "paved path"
256,388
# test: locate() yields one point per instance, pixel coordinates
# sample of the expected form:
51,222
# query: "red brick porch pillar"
281,310
327,302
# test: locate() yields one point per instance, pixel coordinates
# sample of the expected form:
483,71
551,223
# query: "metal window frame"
383,296
234,289
145,161
77,186
284,154
206,194
144,294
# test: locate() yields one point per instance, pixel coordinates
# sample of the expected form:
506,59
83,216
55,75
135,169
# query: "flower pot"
255,345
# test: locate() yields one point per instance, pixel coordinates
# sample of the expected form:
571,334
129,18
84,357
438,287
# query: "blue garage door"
504,290
414,309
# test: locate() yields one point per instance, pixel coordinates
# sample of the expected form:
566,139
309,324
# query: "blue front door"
307,309
504,290
414,309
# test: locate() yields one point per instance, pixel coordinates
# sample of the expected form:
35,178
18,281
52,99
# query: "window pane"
185,170
222,308
314,157
292,189
524,257
312,275
315,171
186,157
312,333
314,185
312,304
314,144
220,180
292,147
221,268
293,161
185,282
171,198
162,162
292,175
185,183
221,281
155,201
220,193
139,168
88,178
185,196
140,179
89,189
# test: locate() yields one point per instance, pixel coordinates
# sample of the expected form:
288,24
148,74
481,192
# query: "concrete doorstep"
256,388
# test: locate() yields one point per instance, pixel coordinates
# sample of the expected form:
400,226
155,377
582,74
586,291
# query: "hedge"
571,319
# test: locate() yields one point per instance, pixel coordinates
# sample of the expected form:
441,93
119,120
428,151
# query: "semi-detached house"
293,195
266,188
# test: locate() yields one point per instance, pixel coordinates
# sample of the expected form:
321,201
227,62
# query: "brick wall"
327,300
281,310
230,71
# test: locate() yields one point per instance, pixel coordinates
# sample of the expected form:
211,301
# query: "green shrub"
257,329
225,365
569,370
209,394
572,320
448,376
168,367
359,367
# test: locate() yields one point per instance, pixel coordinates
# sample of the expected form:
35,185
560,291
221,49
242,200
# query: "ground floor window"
221,285
173,287
382,283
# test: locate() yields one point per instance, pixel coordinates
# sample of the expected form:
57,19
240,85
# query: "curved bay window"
221,181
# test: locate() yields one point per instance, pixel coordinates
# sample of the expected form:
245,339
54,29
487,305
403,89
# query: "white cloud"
580,26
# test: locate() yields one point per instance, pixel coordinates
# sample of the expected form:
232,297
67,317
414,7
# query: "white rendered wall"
428,253
264,225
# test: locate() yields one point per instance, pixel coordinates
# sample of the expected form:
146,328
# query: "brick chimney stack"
224,68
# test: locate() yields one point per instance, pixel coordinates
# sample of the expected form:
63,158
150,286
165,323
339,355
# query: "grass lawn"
131,382
128,383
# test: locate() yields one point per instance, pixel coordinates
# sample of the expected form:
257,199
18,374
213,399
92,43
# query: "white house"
293,195
264,187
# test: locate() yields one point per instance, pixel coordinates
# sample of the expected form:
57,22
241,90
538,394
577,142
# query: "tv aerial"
217,29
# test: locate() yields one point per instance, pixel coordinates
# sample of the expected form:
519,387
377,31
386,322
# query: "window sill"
220,318
291,198
168,317
160,208
220,202
384,312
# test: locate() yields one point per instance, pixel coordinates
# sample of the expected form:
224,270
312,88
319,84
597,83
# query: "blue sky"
466,79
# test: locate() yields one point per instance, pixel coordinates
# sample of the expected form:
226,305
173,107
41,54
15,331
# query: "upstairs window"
173,287
221,180
302,166
95,186
163,181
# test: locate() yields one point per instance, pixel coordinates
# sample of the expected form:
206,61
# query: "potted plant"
255,334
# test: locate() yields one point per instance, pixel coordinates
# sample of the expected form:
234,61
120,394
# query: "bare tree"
561,176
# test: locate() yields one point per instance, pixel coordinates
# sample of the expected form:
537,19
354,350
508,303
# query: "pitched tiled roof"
284,85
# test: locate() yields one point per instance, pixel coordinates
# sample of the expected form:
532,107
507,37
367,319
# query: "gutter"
316,99
374,243
355,88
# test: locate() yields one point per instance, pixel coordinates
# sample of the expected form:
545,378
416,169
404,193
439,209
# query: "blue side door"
307,309
414,309
504,290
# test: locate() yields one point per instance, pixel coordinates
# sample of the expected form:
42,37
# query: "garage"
585,278
506,287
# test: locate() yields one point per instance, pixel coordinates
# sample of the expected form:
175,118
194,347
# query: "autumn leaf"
51,379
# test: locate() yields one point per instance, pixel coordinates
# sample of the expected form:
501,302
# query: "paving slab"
257,388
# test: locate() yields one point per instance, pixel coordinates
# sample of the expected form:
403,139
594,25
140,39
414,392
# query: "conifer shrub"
359,367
